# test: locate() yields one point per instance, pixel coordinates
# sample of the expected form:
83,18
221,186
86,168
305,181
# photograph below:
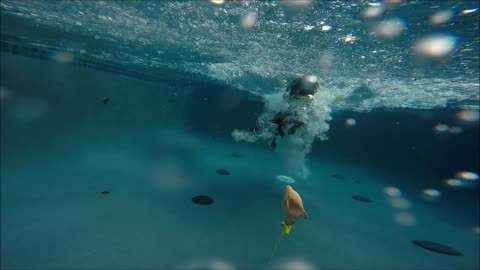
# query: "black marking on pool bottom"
202,200
361,198
236,155
339,176
105,192
223,172
106,100
436,247
357,181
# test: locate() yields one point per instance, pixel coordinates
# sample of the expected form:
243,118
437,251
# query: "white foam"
293,148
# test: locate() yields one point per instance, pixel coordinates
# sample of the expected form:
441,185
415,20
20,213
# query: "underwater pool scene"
231,134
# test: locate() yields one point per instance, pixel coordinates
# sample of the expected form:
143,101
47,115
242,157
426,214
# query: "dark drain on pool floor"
361,198
436,247
223,172
105,192
106,100
338,176
236,155
202,200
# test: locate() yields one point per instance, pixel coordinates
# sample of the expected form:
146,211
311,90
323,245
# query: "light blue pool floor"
54,215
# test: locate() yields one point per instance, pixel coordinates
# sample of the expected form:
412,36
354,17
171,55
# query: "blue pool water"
116,115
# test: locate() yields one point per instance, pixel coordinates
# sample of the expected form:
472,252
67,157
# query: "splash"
293,148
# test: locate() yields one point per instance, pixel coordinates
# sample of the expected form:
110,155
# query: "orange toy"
293,209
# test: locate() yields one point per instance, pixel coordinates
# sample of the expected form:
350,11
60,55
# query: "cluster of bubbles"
401,205
468,117
443,129
293,148
433,46
463,119
463,179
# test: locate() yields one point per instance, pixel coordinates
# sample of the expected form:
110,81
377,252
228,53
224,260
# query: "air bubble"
468,176
248,21
392,191
400,203
373,12
389,28
441,17
453,182
431,194
435,46
350,122
468,116
405,219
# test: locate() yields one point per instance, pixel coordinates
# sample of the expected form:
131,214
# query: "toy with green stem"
293,209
